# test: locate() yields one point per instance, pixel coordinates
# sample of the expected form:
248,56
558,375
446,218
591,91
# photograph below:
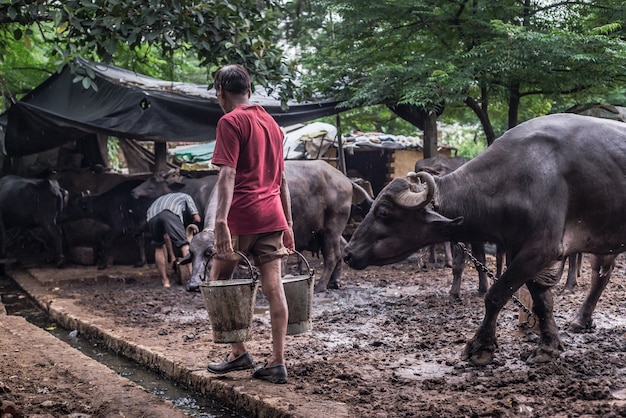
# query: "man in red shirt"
253,213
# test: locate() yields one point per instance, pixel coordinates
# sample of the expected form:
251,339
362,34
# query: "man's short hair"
232,78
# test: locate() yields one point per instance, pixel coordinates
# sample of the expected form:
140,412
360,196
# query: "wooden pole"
340,153
160,156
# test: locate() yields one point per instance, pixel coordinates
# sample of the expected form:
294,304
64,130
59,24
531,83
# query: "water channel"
17,302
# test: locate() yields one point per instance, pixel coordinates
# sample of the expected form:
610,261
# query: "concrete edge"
245,402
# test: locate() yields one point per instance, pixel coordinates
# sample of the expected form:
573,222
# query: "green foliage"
469,140
373,119
113,153
217,32
23,64
504,60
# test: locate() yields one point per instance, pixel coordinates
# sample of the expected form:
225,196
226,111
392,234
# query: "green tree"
216,31
506,57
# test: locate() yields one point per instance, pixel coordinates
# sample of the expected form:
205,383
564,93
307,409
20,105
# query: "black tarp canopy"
128,105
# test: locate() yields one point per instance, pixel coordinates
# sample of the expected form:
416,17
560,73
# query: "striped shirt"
177,203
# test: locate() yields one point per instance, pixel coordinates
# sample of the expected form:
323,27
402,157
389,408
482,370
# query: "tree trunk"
483,116
430,136
514,100
160,156
425,120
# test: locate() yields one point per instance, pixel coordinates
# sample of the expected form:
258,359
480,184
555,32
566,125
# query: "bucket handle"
308,266
254,274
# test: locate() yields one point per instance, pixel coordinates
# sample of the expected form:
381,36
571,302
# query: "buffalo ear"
435,218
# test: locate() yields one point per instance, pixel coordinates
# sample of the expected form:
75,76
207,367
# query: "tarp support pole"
160,156
341,155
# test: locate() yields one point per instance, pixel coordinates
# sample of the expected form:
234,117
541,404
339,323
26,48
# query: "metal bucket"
230,304
299,294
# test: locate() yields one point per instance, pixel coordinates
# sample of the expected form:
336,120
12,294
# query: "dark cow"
321,198
440,165
30,203
164,182
548,188
117,209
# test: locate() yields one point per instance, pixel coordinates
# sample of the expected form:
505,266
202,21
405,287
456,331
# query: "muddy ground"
388,344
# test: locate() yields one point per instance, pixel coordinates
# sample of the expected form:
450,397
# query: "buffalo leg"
543,306
573,272
331,252
500,256
3,244
141,246
480,349
447,249
3,238
458,265
478,250
54,232
107,243
601,269
432,256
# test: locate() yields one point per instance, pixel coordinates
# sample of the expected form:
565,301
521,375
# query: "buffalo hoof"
543,355
478,355
61,263
320,288
454,297
579,326
333,285
102,266
140,264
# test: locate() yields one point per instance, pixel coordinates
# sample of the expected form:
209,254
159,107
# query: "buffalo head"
201,250
399,223
79,206
162,182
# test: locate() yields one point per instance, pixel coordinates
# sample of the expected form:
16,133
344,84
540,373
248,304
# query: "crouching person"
166,217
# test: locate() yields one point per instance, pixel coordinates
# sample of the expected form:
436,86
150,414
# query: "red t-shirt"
251,141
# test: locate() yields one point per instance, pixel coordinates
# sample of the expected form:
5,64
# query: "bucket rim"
297,278
229,282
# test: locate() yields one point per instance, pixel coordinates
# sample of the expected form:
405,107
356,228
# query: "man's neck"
235,100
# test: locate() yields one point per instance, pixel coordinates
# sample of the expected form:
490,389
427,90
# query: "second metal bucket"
299,294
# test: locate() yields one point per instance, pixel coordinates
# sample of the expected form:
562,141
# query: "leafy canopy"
507,58
218,32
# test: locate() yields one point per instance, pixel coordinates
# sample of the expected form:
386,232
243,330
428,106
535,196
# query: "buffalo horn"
411,199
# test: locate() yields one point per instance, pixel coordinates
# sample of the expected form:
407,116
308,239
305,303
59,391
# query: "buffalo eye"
383,212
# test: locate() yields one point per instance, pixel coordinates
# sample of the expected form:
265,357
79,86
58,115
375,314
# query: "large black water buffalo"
548,188
117,209
440,165
30,203
321,199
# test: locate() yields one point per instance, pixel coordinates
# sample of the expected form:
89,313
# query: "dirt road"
387,344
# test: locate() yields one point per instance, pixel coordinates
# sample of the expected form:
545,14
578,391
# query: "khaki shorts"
262,247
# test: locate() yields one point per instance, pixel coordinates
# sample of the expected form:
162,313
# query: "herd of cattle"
547,190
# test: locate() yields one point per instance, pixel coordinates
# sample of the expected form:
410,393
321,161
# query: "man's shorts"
169,223
263,247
